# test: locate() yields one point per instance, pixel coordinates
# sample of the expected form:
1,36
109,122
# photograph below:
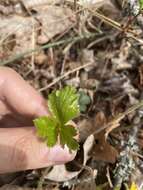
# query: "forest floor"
97,47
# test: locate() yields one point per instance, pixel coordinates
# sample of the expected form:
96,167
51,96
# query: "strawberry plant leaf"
63,105
46,129
67,134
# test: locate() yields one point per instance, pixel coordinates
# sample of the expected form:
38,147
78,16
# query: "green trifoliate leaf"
63,104
47,129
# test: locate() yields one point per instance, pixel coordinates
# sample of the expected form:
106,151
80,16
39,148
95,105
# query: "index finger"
19,95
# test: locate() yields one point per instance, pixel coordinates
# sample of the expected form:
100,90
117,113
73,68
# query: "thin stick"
129,32
54,44
109,178
65,75
116,121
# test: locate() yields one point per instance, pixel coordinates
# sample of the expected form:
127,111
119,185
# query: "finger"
21,150
10,119
19,95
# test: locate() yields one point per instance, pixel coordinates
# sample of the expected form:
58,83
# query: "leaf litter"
107,69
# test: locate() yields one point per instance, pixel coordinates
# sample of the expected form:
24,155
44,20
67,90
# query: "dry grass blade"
49,45
65,75
116,121
118,26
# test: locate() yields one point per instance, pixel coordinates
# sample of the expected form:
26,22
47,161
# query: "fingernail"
60,155
42,109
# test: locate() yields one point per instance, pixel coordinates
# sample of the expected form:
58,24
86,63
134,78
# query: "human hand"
20,149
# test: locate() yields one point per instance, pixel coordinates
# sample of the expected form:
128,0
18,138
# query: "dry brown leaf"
87,146
141,76
54,20
18,34
99,149
115,122
94,3
22,6
102,150
35,3
89,126
59,173
96,145
18,31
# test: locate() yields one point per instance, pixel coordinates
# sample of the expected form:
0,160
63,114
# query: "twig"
54,44
137,154
33,45
109,178
116,121
118,26
65,75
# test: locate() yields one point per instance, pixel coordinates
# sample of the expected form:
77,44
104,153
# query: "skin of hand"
20,148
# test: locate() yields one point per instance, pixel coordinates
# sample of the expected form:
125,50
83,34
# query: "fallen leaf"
87,146
102,150
18,34
91,125
96,145
54,20
29,4
141,76
59,173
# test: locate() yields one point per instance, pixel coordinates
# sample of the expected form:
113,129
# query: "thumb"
21,150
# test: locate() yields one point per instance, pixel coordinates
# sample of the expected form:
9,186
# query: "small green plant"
141,4
63,106
84,101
